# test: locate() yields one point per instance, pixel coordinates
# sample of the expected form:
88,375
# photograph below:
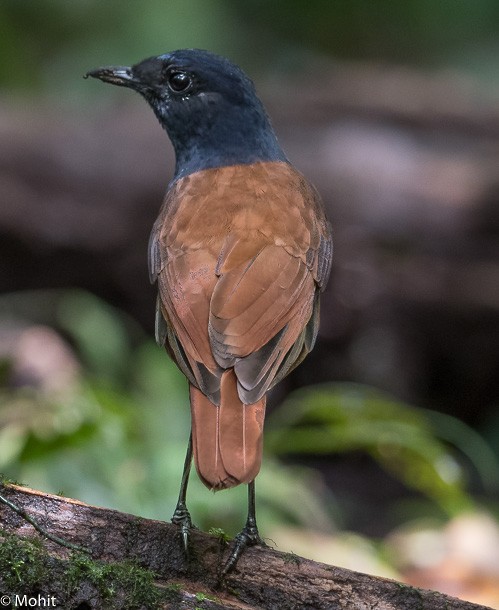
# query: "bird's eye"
179,82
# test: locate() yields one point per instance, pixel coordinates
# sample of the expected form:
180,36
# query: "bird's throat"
225,141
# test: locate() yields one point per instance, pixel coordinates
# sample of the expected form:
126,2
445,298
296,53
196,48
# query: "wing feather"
239,254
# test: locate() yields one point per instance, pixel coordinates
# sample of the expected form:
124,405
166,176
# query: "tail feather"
227,439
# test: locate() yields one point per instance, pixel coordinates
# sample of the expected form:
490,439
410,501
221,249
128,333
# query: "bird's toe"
182,518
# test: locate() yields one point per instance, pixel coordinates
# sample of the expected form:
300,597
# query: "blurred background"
382,449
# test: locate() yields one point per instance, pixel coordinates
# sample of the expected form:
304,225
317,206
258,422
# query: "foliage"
334,418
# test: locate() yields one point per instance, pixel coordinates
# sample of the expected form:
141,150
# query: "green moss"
292,558
220,534
135,584
23,562
201,597
26,565
5,480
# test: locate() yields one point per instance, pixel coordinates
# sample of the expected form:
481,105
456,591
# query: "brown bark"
264,578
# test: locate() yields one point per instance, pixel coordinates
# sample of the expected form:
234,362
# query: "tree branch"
264,578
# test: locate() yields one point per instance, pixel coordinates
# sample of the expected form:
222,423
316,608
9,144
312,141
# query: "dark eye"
179,82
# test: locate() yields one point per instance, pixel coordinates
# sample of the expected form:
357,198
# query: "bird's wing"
186,278
264,310
238,274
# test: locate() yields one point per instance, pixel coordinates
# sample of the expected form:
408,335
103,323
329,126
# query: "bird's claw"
182,518
249,536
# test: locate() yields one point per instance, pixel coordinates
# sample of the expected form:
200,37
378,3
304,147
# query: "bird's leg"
181,515
249,535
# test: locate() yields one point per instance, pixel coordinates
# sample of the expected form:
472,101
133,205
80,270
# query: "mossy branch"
139,564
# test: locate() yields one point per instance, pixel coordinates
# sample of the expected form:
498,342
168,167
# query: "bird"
240,252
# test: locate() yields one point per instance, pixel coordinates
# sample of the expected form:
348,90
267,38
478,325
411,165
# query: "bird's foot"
249,536
182,518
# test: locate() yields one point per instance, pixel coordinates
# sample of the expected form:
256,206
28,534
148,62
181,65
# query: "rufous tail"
227,439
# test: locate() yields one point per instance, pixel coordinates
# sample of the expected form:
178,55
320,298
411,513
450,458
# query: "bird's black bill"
116,75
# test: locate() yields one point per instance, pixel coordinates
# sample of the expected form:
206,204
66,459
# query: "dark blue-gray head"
207,105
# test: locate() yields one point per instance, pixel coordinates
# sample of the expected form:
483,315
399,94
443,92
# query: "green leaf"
404,440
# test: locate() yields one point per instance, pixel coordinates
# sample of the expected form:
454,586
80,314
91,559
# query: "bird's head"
207,105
